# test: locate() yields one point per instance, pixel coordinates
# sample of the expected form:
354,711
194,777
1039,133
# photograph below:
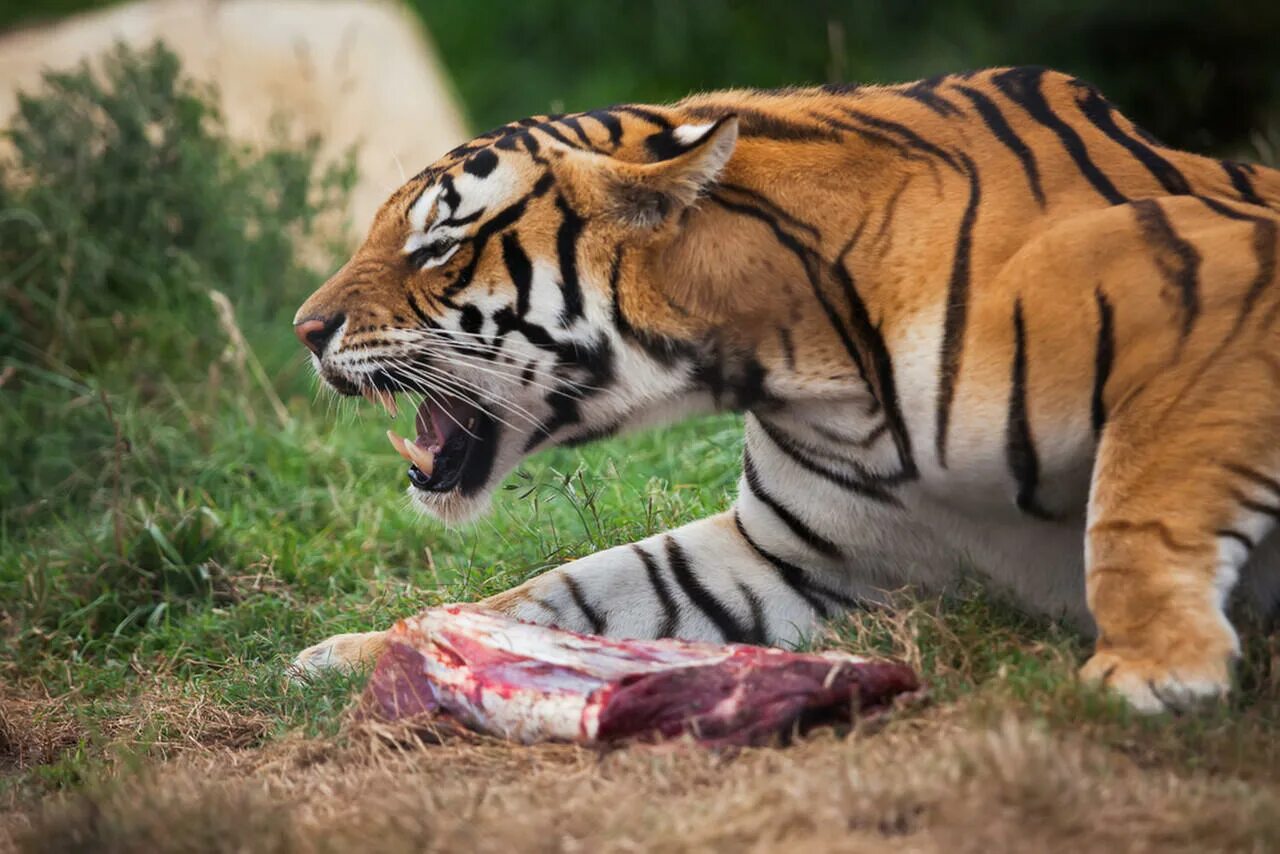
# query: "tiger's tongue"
432,425
437,424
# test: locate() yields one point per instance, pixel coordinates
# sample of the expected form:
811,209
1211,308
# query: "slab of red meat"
528,683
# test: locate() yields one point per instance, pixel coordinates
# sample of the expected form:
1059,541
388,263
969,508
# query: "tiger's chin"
451,508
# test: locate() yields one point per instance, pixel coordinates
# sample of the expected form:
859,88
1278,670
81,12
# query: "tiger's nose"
315,332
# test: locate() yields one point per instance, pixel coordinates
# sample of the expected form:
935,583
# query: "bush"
122,204
126,192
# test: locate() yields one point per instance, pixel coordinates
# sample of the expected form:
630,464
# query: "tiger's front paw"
1152,686
341,653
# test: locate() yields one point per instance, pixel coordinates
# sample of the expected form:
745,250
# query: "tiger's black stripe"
567,254
572,123
597,360
956,314
880,377
866,485
796,578
1103,357
1232,534
810,537
759,631
611,124
598,622
670,613
650,116
1020,449
1239,173
873,435
481,164
1098,111
500,222
755,122
1175,258
1008,137
810,265
1256,506
883,238
556,614
924,93
1022,87
1257,477
1264,249
666,351
550,130
773,209
416,307
520,269
909,138
788,348
703,599
874,136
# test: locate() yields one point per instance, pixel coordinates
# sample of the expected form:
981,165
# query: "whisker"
436,379
514,376
511,374
461,390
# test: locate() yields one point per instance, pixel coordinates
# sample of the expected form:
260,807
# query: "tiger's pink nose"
315,332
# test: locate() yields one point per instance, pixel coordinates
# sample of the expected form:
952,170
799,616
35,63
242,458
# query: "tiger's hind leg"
1184,488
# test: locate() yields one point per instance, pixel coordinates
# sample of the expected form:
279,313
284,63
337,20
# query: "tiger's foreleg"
704,581
1184,488
708,580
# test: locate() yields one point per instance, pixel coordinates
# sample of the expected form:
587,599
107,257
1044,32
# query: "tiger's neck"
765,275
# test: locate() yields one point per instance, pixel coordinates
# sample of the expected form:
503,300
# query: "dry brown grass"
929,782
1011,755
160,719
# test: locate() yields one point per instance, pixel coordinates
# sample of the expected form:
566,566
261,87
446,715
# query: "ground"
184,735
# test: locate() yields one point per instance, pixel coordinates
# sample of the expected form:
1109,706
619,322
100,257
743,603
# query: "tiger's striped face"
486,294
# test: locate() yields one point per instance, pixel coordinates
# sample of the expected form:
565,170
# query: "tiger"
980,323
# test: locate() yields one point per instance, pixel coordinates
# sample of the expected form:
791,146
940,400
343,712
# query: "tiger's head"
517,291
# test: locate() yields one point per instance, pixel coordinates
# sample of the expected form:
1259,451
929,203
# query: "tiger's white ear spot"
690,134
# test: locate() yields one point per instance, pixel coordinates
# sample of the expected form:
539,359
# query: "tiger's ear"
692,156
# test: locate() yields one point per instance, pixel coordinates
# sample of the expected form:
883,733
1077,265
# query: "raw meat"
529,683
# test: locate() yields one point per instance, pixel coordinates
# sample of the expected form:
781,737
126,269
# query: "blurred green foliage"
125,189
1196,74
123,201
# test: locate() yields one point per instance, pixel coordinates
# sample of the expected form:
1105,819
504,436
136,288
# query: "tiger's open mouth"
454,445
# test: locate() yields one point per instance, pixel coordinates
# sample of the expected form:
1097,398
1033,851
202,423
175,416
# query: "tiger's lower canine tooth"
422,458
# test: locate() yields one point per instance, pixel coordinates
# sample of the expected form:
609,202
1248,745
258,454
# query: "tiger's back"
980,317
